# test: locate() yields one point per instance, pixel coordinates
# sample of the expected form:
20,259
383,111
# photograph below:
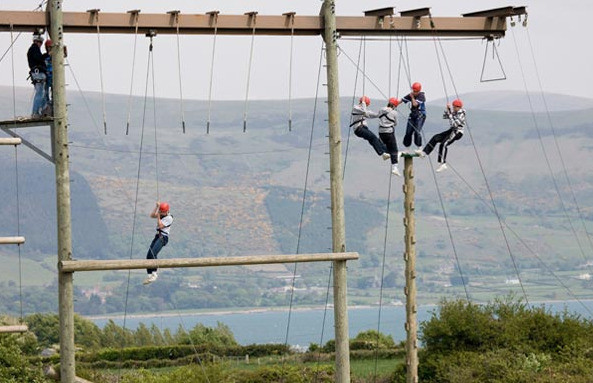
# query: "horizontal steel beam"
498,12
81,22
10,141
12,240
13,329
96,265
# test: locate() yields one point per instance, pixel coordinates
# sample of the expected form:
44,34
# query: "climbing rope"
156,151
214,20
291,16
95,13
546,158
252,17
304,199
13,76
176,15
18,230
494,53
136,16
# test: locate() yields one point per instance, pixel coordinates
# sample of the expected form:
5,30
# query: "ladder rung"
13,329
12,240
10,141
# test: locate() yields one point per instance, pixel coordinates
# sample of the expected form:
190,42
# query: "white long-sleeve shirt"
387,119
456,119
360,113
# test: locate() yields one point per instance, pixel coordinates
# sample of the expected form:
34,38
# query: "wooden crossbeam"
13,329
82,22
10,141
12,240
26,122
95,265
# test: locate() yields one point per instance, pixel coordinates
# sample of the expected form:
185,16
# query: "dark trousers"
445,139
364,132
414,129
157,244
391,144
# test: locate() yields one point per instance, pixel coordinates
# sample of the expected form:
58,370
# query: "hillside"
235,193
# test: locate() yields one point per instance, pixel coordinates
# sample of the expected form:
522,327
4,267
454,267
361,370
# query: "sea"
302,326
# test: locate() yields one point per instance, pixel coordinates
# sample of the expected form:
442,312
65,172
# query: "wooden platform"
13,329
26,122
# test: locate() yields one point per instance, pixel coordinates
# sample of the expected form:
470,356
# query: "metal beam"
83,22
10,141
498,12
13,329
416,12
28,144
73,266
12,240
382,12
26,122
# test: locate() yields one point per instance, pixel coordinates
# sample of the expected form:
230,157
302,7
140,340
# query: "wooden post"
410,258
60,148
330,36
13,329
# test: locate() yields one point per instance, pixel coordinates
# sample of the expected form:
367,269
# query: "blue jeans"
39,80
414,128
157,244
376,143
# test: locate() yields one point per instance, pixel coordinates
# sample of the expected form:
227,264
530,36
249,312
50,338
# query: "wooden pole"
12,240
330,36
10,141
129,264
410,258
60,147
13,329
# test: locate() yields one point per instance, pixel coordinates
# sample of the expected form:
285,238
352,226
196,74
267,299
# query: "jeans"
414,128
445,139
364,132
157,244
391,144
39,99
48,86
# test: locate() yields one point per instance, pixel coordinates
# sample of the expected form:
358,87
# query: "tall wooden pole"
410,258
330,36
60,150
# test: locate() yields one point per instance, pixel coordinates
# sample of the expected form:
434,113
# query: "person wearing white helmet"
38,74
456,117
360,113
164,221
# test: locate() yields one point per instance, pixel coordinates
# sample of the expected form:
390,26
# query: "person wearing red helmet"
164,221
417,100
456,118
358,122
387,121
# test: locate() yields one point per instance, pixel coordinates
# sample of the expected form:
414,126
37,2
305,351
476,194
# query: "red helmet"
48,43
366,100
164,207
416,87
393,101
457,103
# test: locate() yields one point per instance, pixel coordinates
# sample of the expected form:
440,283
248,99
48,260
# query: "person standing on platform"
417,100
38,75
164,221
47,110
456,119
360,113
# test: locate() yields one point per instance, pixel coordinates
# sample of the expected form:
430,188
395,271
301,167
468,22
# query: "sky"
556,30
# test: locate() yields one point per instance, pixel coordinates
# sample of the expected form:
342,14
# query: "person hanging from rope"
38,74
164,221
360,113
387,121
417,100
456,119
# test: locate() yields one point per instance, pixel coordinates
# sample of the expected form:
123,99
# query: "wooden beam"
13,329
12,240
95,265
200,24
26,122
10,141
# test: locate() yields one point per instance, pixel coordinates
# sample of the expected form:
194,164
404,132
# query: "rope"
156,152
362,72
564,167
304,199
13,76
18,230
290,73
214,16
179,71
546,158
329,279
101,71
253,15
494,51
136,15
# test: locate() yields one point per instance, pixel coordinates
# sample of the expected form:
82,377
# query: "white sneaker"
441,168
400,154
395,170
151,278
385,156
420,153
